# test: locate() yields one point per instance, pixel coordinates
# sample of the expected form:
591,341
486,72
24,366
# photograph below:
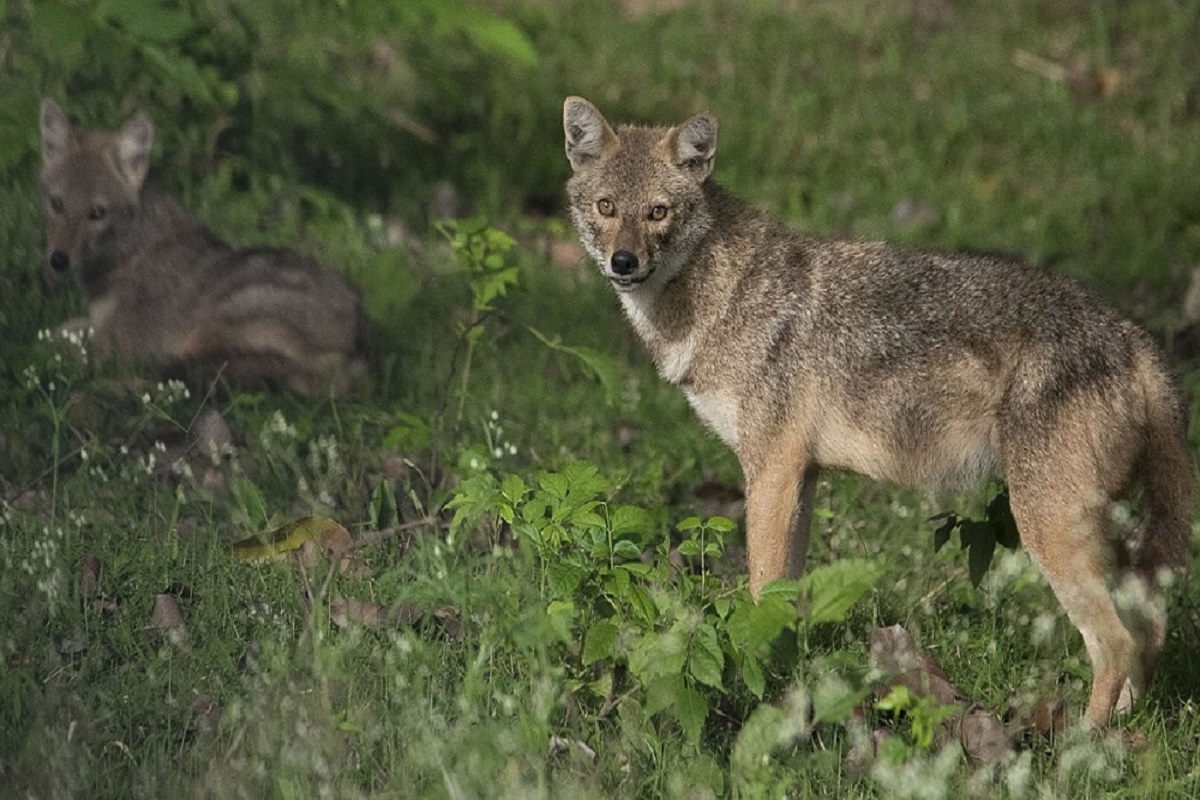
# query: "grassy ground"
479,651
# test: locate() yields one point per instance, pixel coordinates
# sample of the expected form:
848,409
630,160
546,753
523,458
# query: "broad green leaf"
835,698
627,520
752,626
832,589
513,488
599,642
706,660
752,675
658,654
689,548
626,550
691,709
564,578
721,524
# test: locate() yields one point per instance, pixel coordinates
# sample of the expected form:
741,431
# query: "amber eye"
658,213
97,212
56,204
606,208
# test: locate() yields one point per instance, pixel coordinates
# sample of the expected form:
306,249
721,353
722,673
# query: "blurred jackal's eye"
606,207
658,213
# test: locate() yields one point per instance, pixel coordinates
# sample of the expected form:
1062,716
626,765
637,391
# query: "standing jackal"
927,369
163,290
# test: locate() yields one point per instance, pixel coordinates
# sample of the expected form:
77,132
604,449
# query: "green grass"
832,114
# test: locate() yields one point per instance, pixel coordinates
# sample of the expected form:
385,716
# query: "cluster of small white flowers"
326,463
173,391
41,563
922,778
500,447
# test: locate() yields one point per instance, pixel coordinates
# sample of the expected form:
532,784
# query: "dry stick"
368,538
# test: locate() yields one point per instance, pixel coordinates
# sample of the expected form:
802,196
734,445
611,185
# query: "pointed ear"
56,132
134,141
588,134
694,144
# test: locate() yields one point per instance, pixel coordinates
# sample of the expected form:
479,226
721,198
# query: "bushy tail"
1169,481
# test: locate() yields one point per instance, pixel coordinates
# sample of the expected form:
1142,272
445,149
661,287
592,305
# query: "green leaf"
642,603
752,626
147,19
752,675
721,524
689,548
834,588
626,550
658,654
383,512
691,709
835,699
706,660
629,521
564,578
599,642
980,552
689,524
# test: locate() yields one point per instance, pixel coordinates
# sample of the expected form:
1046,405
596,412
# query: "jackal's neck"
674,314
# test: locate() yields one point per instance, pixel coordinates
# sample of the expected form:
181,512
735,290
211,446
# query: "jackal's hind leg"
1067,536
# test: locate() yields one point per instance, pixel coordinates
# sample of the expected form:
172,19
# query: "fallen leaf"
274,545
166,616
982,735
348,611
893,651
1049,717
89,579
345,612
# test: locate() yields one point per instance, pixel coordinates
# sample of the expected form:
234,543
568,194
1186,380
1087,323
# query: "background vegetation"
539,591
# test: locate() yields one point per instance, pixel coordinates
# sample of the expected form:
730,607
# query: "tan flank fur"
928,369
163,291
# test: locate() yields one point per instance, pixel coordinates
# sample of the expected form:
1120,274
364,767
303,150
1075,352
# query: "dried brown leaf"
982,735
89,578
166,616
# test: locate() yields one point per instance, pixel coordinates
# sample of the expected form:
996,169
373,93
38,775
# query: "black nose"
624,262
60,261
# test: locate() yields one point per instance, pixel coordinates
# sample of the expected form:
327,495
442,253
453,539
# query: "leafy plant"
980,537
668,636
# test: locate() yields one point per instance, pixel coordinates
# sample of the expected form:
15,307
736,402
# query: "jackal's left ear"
694,144
133,149
588,132
56,132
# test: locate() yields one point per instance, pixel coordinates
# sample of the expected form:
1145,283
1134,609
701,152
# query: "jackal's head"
637,197
91,184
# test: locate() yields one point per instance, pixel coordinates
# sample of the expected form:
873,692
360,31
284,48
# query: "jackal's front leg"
778,515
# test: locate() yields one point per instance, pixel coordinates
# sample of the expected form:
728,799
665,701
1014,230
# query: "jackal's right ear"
133,149
695,144
56,131
588,133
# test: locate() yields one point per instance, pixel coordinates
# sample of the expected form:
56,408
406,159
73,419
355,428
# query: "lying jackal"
927,369
163,290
